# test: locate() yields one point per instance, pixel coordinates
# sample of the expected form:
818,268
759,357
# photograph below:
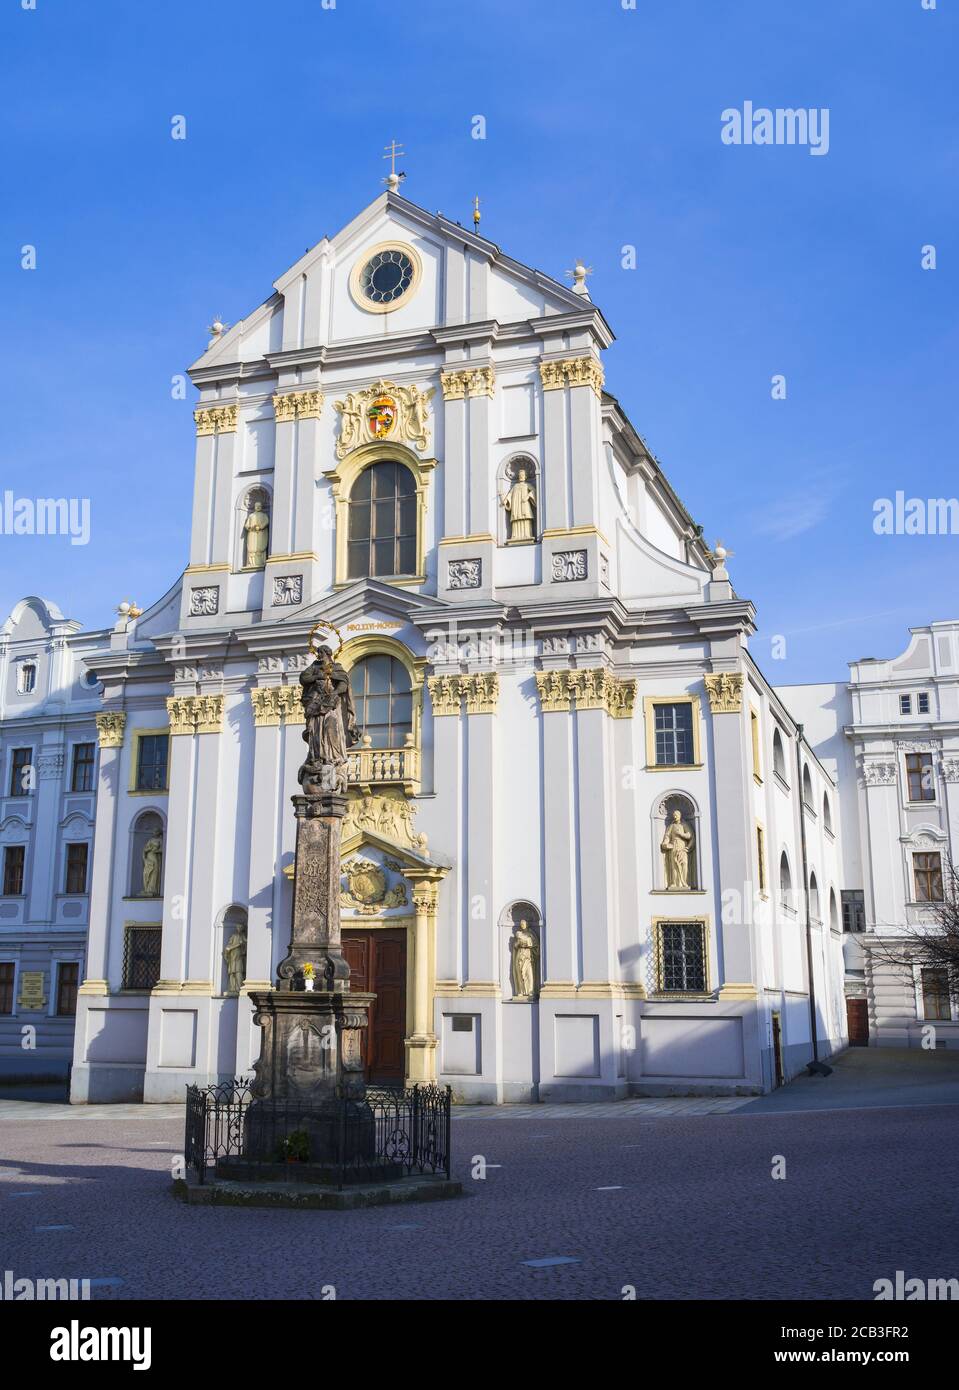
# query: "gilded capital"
274,703
195,714
479,689
590,687
216,419
110,727
297,405
725,691
468,381
572,371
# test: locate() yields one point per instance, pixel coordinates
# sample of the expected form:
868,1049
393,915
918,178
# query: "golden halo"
323,626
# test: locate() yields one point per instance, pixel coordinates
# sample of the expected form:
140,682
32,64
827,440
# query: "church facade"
587,851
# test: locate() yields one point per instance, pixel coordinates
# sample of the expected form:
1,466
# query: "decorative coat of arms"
366,887
383,411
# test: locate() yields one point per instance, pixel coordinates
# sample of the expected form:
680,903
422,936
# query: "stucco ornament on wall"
383,411
725,691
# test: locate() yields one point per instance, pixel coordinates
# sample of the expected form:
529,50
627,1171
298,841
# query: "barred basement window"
681,957
141,957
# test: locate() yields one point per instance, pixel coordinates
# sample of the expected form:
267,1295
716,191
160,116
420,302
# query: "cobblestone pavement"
677,1205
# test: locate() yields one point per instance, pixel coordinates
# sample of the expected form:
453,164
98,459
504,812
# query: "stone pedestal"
309,1076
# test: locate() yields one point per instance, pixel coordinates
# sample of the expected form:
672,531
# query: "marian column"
311,1023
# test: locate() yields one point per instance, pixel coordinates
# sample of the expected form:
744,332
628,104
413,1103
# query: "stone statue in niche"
234,953
520,505
153,865
330,724
256,537
525,958
677,846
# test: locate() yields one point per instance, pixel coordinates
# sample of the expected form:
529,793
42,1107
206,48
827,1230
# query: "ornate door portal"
377,961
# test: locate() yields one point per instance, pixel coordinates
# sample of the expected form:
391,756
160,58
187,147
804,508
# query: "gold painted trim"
136,734
295,555
467,540
480,690
735,992
205,569
649,718
97,987
560,531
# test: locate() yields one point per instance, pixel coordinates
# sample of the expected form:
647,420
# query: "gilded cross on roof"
393,179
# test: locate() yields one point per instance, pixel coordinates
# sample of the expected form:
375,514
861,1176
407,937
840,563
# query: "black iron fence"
389,1133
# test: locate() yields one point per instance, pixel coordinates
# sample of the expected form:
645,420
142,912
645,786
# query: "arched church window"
383,699
146,856
826,811
785,880
833,911
814,897
807,786
779,757
382,522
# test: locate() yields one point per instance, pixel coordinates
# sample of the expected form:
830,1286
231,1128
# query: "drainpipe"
815,1067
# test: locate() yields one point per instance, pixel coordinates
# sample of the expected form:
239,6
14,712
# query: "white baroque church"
588,852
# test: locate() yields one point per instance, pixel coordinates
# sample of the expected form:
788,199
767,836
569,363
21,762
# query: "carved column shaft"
315,930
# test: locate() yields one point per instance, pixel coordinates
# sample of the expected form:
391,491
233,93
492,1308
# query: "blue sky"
603,130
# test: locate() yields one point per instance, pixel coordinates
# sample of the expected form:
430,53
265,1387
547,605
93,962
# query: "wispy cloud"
797,511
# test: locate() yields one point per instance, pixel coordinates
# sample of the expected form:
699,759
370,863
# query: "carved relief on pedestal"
204,601
383,411
949,767
725,691
287,590
465,574
569,565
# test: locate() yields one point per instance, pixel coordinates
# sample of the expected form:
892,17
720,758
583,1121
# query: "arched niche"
145,829
508,474
786,897
815,907
228,920
779,756
510,925
662,816
245,505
